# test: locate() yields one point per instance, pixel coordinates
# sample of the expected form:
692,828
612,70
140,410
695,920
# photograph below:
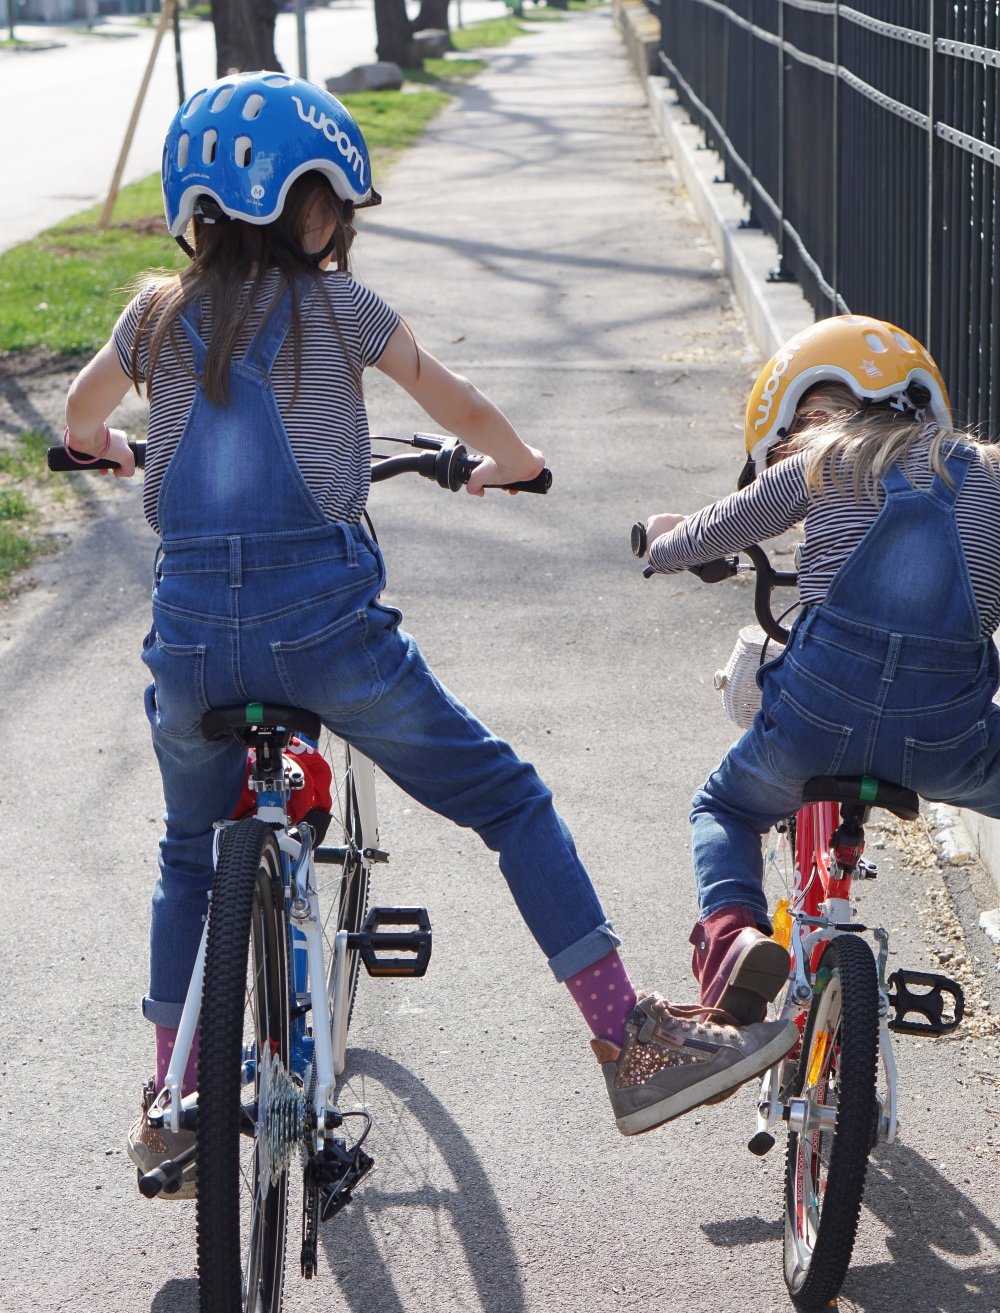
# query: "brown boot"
739,968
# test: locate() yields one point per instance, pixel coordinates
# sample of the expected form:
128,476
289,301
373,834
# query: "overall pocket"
946,768
178,672
334,669
801,743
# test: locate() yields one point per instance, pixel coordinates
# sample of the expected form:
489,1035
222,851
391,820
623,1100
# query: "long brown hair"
228,254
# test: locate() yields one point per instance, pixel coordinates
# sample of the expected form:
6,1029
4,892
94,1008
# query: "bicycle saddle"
903,803
222,721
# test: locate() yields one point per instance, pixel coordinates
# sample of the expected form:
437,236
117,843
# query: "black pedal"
395,952
936,999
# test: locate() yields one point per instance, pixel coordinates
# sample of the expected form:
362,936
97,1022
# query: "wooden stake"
166,18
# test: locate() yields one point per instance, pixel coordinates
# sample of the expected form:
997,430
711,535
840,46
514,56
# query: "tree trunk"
393,31
433,13
244,36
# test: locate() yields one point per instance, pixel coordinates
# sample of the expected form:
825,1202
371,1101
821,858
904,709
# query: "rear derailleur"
329,1180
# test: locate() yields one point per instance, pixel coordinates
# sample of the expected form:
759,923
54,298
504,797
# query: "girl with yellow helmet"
890,669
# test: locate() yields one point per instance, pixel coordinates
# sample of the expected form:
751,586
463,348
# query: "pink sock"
605,996
165,1039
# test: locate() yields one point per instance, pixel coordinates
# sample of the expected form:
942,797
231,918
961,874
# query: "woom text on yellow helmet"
874,359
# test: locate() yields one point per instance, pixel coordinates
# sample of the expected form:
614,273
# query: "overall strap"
266,342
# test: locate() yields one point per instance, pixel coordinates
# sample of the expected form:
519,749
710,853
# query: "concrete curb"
774,311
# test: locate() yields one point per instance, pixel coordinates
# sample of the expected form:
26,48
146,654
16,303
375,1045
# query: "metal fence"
865,139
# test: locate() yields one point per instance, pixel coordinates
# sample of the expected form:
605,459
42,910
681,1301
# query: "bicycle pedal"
935,998
395,952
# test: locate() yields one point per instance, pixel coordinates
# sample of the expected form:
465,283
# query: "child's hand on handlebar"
490,472
120,451
658,525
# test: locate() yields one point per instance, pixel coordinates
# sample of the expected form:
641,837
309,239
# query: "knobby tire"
241,1209
825,1170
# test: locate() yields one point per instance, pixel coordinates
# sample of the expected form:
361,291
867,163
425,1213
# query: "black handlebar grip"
540,483
713,572
60,461
639,543
463,464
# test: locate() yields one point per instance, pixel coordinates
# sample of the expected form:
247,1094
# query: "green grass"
490,32
20,543
64,289
443,71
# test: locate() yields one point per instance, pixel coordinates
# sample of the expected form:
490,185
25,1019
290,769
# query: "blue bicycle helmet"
245,139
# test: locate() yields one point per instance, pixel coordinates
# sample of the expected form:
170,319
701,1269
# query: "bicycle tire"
826,1166
242,1201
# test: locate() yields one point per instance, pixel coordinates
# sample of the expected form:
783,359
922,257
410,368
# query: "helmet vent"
875,343
208,145
904,342
194,104
277,80
183,141
222,99
253,106
243,152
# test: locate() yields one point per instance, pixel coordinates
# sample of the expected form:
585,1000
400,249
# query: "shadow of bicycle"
929,1223
426,1228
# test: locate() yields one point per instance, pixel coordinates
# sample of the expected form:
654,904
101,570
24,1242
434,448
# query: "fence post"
781,273
935,208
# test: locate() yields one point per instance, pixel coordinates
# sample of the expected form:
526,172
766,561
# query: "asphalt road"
536,240
78,99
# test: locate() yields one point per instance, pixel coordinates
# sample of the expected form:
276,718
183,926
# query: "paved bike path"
536,240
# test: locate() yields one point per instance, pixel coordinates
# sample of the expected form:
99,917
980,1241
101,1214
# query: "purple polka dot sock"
165,1038
605,996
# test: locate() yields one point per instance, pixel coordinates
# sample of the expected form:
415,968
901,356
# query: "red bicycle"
837,1091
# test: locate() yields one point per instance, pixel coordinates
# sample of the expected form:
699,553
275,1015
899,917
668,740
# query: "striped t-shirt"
835,523
326,423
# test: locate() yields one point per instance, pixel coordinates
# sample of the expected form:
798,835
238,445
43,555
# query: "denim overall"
889,676
258,597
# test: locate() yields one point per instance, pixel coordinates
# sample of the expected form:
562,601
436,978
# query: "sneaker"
739,968
678,1058
149,1146
750,976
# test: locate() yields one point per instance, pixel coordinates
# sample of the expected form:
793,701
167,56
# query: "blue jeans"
297,621
847,699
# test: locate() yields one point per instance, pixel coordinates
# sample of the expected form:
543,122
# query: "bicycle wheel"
833,1121
250,1111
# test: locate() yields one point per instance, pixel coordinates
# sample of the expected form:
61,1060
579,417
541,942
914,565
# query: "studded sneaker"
678,1058
149,1146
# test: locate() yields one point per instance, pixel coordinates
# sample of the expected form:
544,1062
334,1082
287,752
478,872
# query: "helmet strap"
185,246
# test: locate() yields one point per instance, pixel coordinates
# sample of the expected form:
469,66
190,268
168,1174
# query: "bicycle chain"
310,1218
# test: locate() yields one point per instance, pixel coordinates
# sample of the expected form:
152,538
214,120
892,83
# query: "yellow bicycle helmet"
876,360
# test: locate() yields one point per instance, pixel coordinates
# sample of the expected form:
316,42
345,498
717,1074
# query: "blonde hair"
851,445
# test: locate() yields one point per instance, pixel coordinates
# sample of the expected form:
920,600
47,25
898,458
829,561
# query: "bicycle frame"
819,909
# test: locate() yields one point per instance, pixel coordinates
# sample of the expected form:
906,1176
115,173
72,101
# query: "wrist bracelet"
75,456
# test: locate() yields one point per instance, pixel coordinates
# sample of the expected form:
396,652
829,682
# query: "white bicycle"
273,988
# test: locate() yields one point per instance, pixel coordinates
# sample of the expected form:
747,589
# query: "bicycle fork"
773,1105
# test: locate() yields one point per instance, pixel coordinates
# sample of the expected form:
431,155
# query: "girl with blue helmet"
267,584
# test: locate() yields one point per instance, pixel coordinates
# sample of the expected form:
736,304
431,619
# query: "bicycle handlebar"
727,567
445,460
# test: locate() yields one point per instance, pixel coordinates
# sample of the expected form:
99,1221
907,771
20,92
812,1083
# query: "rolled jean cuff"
586,951
162,1014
